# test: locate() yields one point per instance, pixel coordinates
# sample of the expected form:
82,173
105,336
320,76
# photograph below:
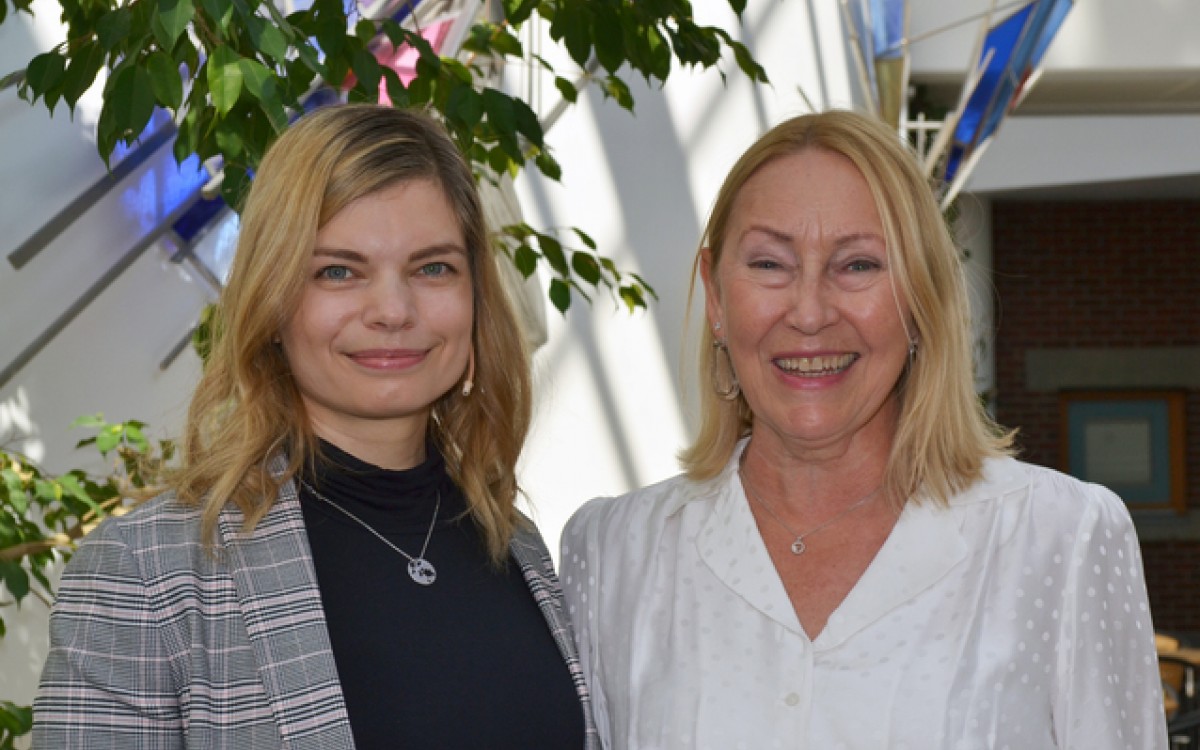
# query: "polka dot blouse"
1015,618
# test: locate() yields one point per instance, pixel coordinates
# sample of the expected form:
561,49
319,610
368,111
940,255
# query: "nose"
813,303
389,304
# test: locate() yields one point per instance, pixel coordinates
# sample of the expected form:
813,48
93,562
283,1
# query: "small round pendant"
421,571
798,547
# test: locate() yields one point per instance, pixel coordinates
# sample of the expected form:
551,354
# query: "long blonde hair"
247,409
943,433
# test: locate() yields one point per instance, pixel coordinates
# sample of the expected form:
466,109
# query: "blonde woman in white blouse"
852,558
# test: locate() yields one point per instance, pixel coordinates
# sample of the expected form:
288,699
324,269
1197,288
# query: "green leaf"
224,76
566,88
365,31
165,81
517,11
229,139
552,249
525,259
505,43
644,285
631,297
267,38
17,497
221,14
584,237
617,89
15,487
113,27
572,25
171,21
47,491
395,88
498,160
609,38
368,72
44,72
585,265
90,421
747,62
235,185
130,97
15,578
108,439
465,105
81,72
527,123
256,78
547,165
500,111
560,295
75,489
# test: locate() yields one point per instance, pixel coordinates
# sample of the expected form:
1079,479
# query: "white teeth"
816,366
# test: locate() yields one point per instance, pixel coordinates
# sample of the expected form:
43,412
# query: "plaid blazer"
157,643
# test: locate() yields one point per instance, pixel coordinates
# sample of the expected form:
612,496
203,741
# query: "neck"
391,448
827,479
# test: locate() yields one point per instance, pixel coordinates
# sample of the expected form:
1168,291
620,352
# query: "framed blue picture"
1129,441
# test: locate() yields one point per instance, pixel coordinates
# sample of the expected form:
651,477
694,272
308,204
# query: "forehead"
804,191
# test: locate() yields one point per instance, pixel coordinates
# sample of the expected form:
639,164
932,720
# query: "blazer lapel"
530,552
273,571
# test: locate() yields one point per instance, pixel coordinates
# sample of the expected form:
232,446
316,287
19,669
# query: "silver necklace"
798,545
419,569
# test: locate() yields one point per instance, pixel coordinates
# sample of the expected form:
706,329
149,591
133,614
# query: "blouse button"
791,699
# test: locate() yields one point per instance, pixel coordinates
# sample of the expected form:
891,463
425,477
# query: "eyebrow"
841,241
354,256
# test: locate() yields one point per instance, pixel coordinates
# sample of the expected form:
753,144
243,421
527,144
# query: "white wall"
107,358
1098,35
611,415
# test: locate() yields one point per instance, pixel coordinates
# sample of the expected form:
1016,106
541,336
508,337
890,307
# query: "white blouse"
1015,618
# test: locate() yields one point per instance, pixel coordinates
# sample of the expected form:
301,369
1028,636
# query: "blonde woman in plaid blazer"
363,331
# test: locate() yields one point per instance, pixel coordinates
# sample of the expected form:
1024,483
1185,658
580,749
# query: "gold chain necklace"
798,545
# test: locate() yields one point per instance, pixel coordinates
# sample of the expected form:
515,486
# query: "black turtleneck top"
466,662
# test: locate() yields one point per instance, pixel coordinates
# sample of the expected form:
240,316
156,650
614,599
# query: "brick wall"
1101,275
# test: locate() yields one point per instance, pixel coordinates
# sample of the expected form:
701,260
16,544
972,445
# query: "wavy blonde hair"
943,433
247,408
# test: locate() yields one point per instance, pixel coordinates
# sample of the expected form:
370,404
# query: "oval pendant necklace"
798,546
419,569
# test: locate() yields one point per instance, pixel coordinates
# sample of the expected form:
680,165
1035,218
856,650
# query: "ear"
712,293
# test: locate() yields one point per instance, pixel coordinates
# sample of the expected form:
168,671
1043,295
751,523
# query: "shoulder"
162,521
648,507
1051,498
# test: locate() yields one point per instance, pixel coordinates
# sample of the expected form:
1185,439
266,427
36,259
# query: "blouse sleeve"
578,560
107,682
1108,695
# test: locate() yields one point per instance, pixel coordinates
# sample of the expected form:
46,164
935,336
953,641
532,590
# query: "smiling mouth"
815,367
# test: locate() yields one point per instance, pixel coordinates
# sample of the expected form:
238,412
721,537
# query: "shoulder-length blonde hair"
247,408
943,432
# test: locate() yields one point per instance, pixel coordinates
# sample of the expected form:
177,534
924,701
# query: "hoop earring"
732,389
469,383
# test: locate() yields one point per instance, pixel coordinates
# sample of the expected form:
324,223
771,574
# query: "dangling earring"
469,382
732,389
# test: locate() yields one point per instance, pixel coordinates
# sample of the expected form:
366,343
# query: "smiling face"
805,301
383,328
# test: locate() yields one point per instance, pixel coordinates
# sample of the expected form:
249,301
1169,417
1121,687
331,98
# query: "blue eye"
436,269
334,273
862,265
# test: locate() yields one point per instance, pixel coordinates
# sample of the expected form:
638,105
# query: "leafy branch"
235,73
43,516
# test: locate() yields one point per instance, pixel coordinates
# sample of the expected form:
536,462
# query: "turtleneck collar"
389,500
